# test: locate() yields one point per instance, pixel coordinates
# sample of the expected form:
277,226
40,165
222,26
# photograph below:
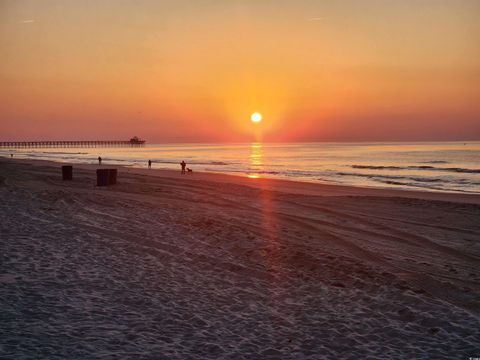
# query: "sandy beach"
209,266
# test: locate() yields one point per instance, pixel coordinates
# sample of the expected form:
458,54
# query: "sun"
256,117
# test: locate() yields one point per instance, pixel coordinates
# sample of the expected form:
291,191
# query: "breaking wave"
418,167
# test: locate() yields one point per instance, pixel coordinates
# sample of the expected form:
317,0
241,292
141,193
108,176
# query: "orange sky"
182,70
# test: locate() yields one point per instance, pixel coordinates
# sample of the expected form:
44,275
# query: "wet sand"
209,266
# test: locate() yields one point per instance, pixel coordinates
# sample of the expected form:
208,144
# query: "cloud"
316,19
28,21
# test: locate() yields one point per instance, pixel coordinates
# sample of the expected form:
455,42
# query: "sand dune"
209,267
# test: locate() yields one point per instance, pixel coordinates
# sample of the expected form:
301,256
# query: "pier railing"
64,144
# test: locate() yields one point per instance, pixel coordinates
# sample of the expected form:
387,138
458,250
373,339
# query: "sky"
194,70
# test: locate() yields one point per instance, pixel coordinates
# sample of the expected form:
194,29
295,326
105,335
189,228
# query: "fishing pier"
133,142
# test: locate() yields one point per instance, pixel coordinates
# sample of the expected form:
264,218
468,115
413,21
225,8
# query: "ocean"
439,166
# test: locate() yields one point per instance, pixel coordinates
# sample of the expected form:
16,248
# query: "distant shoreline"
281,185
443,167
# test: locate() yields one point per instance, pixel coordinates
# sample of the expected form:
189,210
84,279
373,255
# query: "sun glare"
256,117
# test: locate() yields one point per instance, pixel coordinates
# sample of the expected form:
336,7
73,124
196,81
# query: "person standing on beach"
99,160
149,164
183,164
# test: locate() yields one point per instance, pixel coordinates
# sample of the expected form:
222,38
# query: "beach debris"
106,177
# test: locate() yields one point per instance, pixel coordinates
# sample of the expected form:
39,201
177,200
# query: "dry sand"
204,266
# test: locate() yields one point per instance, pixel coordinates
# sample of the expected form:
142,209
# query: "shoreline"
282,185
435,167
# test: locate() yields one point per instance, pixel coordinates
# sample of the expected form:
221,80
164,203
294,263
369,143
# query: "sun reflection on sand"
270,251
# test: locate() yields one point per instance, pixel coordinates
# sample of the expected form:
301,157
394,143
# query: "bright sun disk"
256,117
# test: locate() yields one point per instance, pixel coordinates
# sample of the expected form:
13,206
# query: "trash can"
112,176
106,177
67,172
102,177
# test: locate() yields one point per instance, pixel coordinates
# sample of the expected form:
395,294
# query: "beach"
211,266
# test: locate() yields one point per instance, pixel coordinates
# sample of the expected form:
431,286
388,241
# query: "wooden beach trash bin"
112,176
103,177
106,177
67,172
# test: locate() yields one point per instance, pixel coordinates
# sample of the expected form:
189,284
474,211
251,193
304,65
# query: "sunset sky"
176,71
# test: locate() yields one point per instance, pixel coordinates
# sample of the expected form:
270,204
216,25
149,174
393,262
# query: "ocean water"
443,166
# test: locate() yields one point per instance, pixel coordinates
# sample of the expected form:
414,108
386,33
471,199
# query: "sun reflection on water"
256,161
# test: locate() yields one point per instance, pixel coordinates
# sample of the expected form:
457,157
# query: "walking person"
99,160
149,164
183,164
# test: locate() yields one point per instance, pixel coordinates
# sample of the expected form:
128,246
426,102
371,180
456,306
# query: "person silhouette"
183,164
149,164
99,160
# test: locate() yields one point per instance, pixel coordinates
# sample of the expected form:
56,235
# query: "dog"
190,171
